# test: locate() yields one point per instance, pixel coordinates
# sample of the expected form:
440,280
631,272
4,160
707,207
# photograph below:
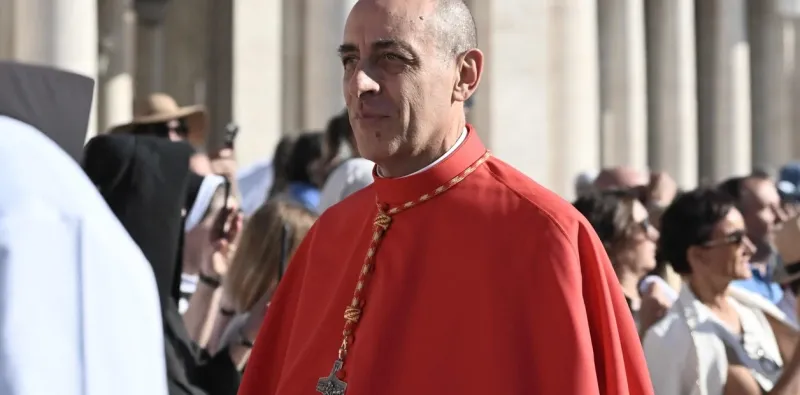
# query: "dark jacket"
145,181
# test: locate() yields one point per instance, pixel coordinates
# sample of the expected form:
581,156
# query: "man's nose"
781,215
362,83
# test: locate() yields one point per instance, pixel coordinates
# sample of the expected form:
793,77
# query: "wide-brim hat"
160,108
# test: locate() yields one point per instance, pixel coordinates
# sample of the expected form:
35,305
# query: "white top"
254,183
79,307
669,293
188,288
687,350
350,176
208,187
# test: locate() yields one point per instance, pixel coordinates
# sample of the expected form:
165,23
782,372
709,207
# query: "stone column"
150,47
672,89
117,58
186,31
538,108
293,67
61,34
244,82
724,89
322,86
793,45
623,83
789,13
7,15
771,83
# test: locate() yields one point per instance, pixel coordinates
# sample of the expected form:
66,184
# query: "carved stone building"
703,89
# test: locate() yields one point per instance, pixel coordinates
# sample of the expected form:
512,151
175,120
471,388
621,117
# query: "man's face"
761,208
397,83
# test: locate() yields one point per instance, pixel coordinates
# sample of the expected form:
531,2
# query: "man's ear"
470,69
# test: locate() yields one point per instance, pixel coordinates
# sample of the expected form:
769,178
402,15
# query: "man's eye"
348,60
392,57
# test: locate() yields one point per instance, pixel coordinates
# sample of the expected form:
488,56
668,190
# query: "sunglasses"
645,225
640,193
163,129
734,238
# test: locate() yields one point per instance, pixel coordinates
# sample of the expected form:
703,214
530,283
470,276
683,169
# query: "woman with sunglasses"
717,339
623,226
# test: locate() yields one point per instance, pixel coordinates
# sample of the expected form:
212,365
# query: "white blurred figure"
79,308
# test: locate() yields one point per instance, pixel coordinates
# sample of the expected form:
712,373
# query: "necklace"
332,384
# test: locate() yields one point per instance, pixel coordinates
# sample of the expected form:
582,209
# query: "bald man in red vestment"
453,273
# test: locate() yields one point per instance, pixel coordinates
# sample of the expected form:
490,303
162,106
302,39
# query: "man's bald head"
758,200
449,22
454,27
621,177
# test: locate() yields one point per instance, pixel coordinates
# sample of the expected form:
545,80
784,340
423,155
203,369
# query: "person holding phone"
212,225
223,161
268,240
145,181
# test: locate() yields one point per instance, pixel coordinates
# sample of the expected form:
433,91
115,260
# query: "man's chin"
376,154
376,150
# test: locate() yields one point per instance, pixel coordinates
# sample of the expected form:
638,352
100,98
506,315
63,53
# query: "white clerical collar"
461,139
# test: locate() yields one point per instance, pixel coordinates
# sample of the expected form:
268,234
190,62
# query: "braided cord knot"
382,221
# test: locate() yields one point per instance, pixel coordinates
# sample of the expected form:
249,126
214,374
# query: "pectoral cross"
331,385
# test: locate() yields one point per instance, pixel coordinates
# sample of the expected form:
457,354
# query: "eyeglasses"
645,225
734,238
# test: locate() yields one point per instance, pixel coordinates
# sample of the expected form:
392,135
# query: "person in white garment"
347,171
79,307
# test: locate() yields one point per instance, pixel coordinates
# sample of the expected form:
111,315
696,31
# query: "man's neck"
417,161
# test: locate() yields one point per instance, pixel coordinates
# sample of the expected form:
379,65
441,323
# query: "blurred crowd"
710,275
706,272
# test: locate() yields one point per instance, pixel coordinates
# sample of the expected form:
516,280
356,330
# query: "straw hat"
159,108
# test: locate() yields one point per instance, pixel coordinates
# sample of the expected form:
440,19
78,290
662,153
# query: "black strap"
286,244
243,340
209,281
